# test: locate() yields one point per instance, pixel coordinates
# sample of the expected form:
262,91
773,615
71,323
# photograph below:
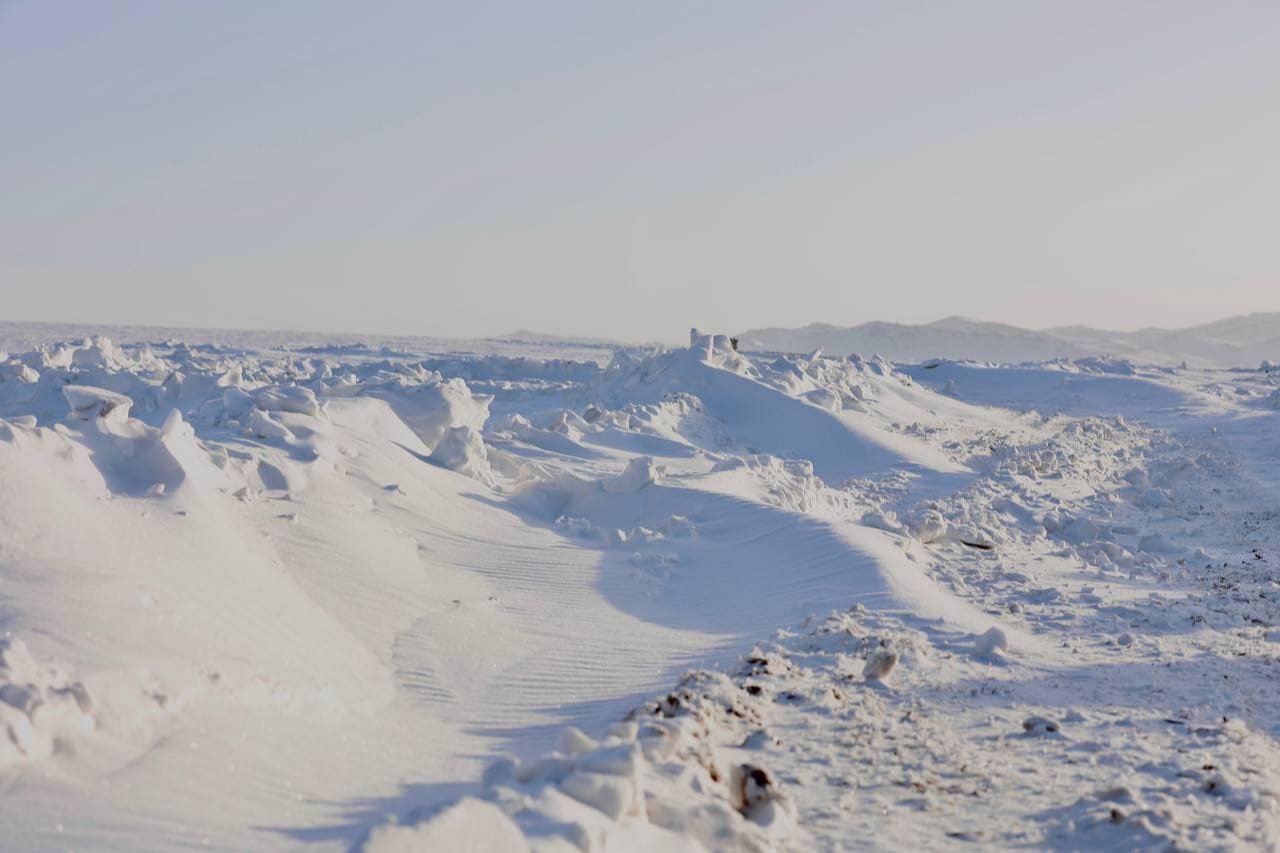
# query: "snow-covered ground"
264,591
1231,342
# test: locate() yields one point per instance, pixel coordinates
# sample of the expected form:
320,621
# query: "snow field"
917,606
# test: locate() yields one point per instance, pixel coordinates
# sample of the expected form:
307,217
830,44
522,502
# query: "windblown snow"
522,595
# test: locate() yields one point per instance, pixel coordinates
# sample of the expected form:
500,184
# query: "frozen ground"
277,593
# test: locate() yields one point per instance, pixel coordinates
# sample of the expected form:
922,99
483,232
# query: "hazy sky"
631,169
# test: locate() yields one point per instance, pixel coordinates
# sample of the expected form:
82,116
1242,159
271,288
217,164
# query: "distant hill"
1235,341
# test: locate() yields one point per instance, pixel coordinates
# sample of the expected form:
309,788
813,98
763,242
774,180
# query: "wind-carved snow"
668,599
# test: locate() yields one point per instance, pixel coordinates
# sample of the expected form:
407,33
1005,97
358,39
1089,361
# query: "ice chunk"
23,373
260,424
621,760
1080,531
640,472
463,450
613,795
434,407
291,398
88,403
99,352
1155,498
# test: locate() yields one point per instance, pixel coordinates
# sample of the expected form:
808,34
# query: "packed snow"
268,591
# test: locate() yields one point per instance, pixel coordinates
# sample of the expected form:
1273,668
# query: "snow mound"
434,406
816,409
463,450
291,398
99,352
993,641
134,457
12,370
260,424
640,472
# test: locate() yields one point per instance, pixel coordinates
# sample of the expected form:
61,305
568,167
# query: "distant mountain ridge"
1241,341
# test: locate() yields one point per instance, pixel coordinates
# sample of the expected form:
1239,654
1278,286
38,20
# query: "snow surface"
1233,342
264,591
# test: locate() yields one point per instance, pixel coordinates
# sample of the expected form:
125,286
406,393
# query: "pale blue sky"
634,169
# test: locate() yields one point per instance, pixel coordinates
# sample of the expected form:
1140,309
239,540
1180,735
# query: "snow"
90,403
462,449
1233,342
529,594
467,826
992,641
640,472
